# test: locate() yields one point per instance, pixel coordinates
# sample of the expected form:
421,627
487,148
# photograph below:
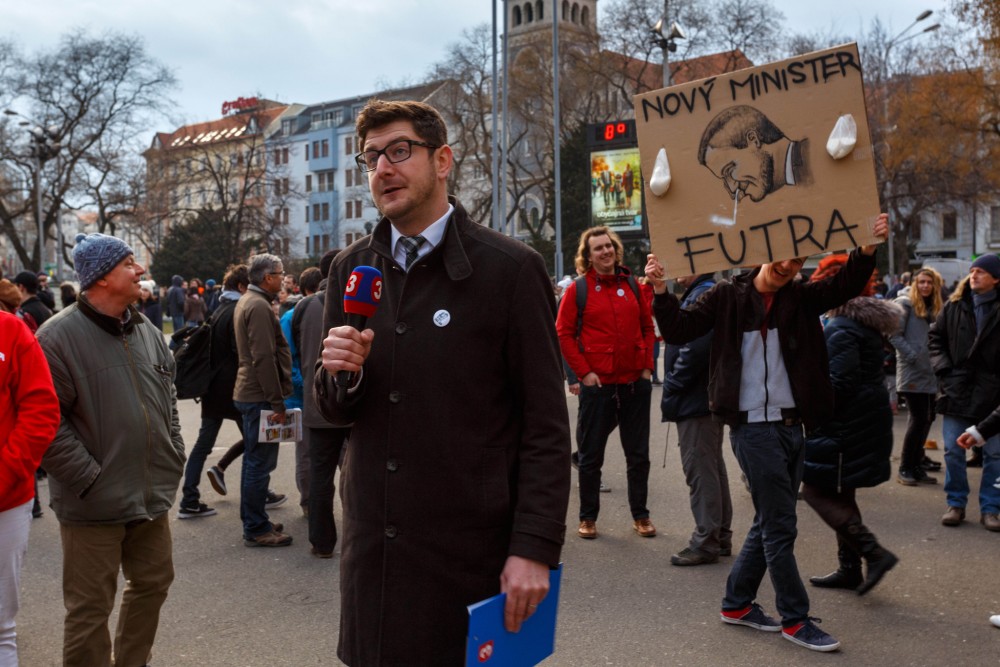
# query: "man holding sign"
768,380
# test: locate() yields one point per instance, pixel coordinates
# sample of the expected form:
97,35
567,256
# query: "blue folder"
490,645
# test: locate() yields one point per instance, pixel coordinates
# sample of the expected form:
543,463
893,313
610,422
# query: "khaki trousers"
92,557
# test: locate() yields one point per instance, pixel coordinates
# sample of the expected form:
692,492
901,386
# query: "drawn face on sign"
752,157
746,172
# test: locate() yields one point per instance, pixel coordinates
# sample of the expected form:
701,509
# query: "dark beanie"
95,255
988,263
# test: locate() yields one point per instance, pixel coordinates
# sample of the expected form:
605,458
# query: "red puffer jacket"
29,411
617,335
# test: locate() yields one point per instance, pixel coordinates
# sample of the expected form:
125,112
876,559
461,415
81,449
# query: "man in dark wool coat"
456,480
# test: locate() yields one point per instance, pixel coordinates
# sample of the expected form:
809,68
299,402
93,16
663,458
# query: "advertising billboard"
616,189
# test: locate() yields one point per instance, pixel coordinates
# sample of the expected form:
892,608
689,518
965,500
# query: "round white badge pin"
442,318
621,292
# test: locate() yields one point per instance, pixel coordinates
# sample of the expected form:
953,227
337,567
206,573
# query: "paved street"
623,603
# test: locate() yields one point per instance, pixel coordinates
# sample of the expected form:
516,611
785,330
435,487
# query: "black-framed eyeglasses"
397,151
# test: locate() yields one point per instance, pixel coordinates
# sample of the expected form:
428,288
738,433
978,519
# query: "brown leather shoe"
587,529
953,517
990,521
644,527
269,539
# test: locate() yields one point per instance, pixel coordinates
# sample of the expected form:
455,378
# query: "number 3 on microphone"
352,285
376,290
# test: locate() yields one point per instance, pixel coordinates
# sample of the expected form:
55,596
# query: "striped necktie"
411,244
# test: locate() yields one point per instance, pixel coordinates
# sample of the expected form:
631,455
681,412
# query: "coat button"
395,397
401,327
391,465
390,532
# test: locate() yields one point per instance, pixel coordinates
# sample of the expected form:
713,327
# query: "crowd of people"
455,478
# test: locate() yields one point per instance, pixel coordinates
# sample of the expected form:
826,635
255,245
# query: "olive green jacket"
118,455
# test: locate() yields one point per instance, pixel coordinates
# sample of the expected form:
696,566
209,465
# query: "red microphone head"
363,291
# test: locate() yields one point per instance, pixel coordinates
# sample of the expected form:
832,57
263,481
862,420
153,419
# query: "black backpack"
193,358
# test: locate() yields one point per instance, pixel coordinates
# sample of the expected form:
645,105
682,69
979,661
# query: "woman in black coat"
852,450
149,304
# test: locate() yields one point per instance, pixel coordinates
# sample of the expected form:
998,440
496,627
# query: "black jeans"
771,456
626,405
325,445
918,425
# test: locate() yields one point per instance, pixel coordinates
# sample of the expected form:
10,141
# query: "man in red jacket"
29,417
611,351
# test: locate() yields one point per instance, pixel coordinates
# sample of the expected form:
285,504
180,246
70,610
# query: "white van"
951,270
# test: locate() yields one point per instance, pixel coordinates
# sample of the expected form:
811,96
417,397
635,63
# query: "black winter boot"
848,575
878,559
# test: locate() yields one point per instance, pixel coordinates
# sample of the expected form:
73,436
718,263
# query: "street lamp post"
45,146
665,38
898,39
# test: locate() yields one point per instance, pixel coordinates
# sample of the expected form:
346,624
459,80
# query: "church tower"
530,22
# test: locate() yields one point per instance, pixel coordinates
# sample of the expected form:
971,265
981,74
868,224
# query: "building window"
326,242
316,217
995,224
478,171
326,211
284,156
325,148
540,9
307,213
307,152
309,183
325,180
529,14
315,150
348,145
307,246
285,246
284,186
316,248
949,225
284,216
277,156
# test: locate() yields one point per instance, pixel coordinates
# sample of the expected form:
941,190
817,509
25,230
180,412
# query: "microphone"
361,297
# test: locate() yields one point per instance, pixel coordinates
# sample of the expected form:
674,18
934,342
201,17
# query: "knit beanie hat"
988,263
10,296
95,255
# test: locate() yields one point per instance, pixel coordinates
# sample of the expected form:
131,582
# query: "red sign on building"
239,104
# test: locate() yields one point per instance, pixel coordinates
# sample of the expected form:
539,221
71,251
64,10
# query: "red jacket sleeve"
566,329
32,415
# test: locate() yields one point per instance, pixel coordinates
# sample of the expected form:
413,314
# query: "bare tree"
94,95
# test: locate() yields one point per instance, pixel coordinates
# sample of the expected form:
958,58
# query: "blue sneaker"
752,617
807,634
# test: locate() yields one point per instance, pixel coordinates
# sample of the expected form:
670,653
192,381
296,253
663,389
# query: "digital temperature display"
614,132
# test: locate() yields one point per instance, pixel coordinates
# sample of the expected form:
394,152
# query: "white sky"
315,50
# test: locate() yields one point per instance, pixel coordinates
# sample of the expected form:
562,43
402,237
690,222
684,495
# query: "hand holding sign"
881,230
655,274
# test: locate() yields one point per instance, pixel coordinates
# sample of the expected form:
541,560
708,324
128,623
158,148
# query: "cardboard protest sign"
751,178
